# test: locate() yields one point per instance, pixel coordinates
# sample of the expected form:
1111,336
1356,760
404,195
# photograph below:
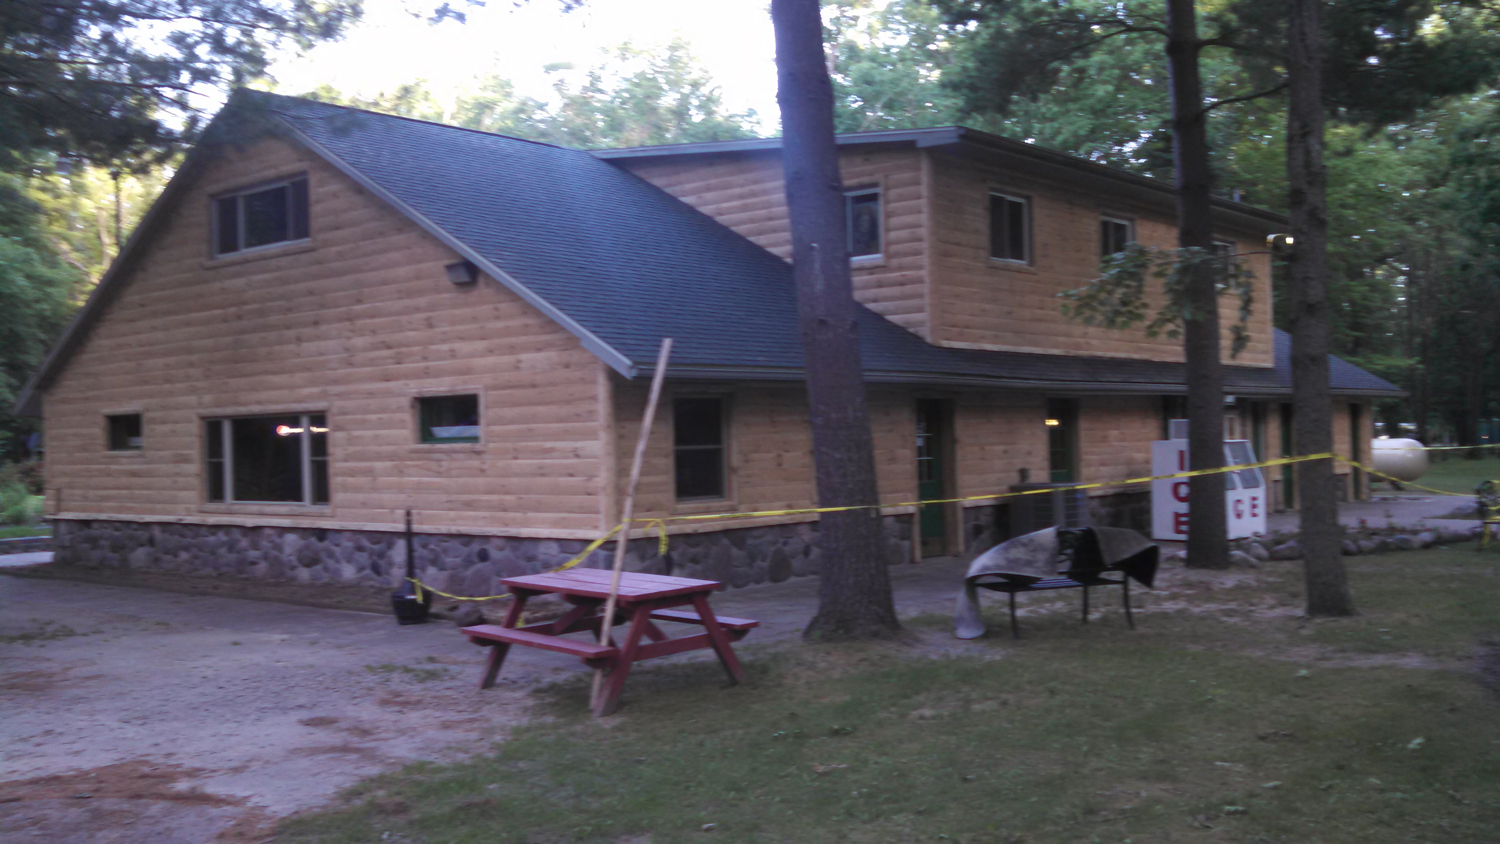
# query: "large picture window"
863,209
698,448
1010,228
280,459
264,215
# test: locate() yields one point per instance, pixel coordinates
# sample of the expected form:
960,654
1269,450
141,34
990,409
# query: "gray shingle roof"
622,264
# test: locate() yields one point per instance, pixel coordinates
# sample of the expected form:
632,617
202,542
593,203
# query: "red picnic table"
644,599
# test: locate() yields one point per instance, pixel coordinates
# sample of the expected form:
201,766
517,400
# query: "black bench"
1011,584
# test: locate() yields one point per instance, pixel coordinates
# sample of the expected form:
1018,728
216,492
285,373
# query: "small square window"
262,216
698,448
863,209
124,432
1010,228
1114,235
449,419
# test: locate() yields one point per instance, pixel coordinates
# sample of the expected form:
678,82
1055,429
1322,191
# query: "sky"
731,38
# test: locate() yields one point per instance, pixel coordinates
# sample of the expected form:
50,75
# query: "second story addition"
966,238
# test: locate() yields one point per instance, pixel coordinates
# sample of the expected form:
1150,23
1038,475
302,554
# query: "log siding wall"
356,324
747,193
980,302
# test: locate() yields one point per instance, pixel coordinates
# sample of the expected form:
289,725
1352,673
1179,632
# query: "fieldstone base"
462,565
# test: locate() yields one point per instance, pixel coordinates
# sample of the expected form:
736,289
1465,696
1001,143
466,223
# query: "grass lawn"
1458,474
14,531
1226,717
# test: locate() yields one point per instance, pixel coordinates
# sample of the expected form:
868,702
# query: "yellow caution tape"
661,523
1280,461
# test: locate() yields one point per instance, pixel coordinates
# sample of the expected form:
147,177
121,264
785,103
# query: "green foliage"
19,503
888,63
109,80
1120,297
633,97
38,292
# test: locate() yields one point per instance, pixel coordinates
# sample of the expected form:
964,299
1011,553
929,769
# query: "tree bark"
1307,274
1208,543
854,592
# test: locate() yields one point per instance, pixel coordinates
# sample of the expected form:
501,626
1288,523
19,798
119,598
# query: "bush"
19,505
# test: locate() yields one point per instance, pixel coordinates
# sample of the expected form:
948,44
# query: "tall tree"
1307,272
1207,545
854,592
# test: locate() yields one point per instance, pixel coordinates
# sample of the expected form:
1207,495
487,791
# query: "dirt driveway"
132,715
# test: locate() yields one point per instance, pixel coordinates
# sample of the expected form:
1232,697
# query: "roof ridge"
408,119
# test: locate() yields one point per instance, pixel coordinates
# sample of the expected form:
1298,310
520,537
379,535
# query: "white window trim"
1127,222
213,217
1026,233
878,190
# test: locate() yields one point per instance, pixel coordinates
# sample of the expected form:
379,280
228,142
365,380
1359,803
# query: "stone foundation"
463,565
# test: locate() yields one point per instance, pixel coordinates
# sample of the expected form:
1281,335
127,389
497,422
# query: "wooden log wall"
746,192
357,324
980,302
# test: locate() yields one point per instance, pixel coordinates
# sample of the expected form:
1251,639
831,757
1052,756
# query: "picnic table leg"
719,638
1085,605
614,683
498,650
1125,588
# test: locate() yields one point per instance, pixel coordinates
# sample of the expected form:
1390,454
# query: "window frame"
1126,222
239,194
109,433
306,459
422,427
723,447
849,195
1026,227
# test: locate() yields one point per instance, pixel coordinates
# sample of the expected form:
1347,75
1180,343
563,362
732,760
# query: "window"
1010,228
280,459
863,209
698,448
261,216
124,432
449,419
1114,235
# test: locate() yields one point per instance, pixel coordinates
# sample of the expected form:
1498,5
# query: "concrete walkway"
32,558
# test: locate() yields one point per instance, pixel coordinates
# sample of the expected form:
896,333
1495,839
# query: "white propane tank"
1403,459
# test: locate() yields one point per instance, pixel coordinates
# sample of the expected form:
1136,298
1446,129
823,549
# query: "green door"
930,476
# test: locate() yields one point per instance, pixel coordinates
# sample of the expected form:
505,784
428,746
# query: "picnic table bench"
644,599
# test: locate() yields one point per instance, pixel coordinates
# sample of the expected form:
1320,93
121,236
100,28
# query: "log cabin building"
333,316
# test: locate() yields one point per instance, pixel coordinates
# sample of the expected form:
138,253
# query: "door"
1288,476
1062,441
932,475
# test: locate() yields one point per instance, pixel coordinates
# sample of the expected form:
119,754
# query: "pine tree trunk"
854,597
1307,275
1208,543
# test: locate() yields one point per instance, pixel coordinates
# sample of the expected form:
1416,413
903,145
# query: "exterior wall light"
462,272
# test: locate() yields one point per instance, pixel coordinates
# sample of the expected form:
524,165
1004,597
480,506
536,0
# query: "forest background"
1414,205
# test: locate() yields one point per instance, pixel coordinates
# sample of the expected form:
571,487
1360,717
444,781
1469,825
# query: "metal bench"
1012,584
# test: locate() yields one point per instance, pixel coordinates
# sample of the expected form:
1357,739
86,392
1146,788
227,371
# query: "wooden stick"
628,510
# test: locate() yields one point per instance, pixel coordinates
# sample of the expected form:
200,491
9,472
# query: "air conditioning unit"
1063,506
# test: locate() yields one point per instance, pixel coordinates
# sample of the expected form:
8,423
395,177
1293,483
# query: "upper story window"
1115,234
264,215
863,209
449,419
124,431
267,459
698,448
1010,228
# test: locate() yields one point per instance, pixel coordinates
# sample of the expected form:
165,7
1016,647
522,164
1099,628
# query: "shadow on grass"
1211,722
